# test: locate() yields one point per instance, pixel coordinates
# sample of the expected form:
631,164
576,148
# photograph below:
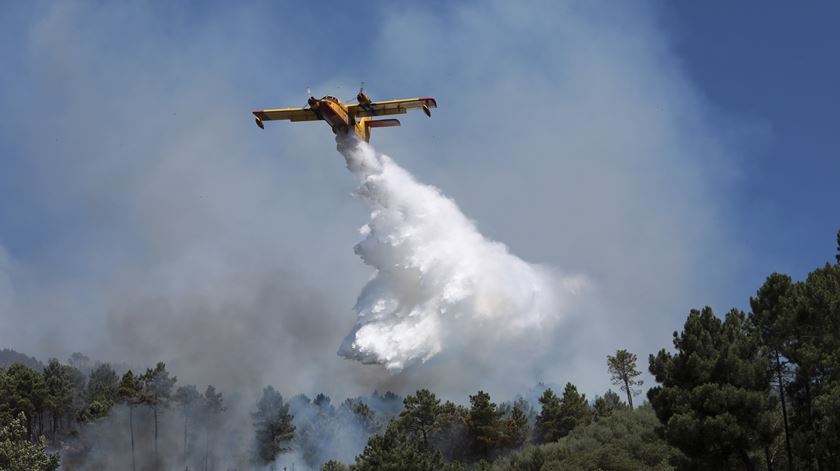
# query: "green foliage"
23,391
18,453
813,349
515,428
714,400
157,385
102,392
212,401
273,426
548,421
59,388
622,368
130,389
574,410
624,441
484,424
395,451
333,465
604,406
420,416
559,416
837,257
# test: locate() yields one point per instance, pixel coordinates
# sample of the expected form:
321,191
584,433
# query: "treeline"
751,390
60,403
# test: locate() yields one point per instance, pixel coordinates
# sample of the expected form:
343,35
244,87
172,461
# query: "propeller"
308,96
356,98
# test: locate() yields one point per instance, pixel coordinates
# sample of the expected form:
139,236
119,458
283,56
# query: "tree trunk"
185,439
206,446
629,395
768,458
746,459
811,421
784,412
154,412
131,431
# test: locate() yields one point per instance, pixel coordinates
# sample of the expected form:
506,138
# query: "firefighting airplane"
344,118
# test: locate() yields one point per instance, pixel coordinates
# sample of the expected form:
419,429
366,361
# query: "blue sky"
674,153
777,66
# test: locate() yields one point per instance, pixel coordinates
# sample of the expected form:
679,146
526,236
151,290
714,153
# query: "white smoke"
439,284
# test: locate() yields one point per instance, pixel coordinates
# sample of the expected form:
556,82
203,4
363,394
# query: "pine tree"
102,390
713,395
394,451
516,428
24,391
548,421
771,316
59,394
574,410
130,393
837,257
604,406
273,426
622,367
420,415
187,398
483,424
212,405
157,391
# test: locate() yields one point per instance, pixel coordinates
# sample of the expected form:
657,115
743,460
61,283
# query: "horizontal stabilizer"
383,123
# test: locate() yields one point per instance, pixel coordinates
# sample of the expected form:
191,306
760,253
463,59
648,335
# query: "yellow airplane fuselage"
335,114
331,110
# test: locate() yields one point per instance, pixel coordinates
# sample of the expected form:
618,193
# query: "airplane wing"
381,108
292,114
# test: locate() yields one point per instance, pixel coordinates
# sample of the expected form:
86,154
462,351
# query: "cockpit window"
331,98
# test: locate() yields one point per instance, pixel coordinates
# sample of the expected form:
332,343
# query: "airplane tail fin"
379,123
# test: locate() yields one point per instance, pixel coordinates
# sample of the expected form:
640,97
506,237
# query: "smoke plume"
438,283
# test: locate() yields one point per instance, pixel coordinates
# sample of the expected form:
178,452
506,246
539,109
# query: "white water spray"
438,282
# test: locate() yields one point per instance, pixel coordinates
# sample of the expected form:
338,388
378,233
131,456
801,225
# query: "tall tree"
837,257
187,398
420,415
574,410
59,394
771,315
814,349
484,424
130,393
516,427
273,426
157,390
622,367
80,361
548,420
212,405
102,394
713,395
24,392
